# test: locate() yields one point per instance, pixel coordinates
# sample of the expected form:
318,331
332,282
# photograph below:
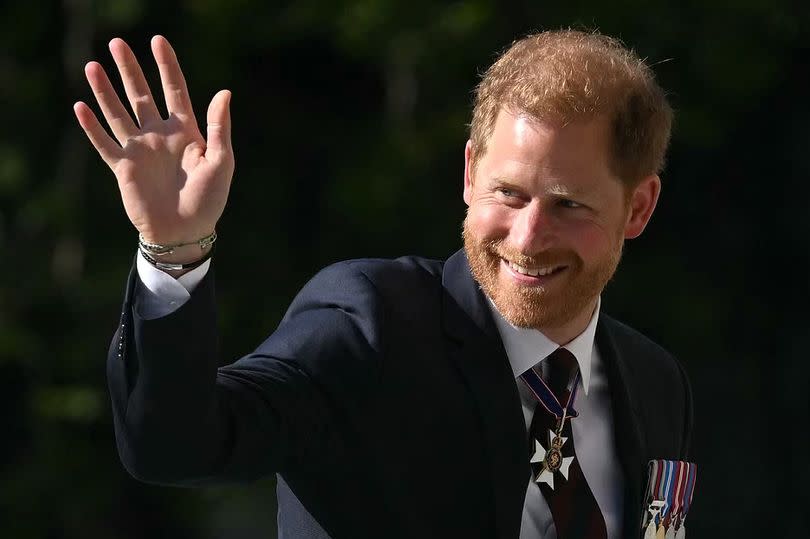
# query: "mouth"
538,275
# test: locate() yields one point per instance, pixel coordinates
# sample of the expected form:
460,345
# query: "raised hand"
173,182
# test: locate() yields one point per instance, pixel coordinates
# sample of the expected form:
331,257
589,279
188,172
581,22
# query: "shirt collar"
527,347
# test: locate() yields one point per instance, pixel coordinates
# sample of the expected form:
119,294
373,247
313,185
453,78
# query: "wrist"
163,249
178,258
186,254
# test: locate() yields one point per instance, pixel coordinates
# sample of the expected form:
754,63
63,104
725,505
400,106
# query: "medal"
686,498
660,477
680,476
671,485
653,509
551,461
677,527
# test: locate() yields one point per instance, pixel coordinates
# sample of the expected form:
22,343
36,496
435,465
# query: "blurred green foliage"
349,123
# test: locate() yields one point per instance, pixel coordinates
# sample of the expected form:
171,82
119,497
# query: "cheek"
588,240
489,221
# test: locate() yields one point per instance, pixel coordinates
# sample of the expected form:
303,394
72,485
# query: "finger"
114,112
110,151
175,91
219,126
134,82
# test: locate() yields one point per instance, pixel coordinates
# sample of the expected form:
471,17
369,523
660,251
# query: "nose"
533,229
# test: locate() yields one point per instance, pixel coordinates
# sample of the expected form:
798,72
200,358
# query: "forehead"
524,146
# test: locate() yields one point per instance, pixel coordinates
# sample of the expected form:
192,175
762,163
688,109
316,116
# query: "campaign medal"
658,504
685,498
551,461
654,509
679,484
670,487
669,476
670,531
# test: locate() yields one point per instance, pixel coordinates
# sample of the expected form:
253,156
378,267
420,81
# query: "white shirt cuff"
162,293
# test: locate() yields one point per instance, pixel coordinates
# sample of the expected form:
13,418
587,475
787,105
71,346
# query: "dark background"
349,126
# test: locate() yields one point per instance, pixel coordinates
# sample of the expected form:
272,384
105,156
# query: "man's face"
547,220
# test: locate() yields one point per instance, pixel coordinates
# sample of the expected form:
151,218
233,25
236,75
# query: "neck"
565,333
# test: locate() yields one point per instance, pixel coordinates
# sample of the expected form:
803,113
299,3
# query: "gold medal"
553,459
661,533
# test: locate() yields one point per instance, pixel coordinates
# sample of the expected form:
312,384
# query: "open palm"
174,183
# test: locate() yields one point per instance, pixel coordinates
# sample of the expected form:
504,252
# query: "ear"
468,181
642,203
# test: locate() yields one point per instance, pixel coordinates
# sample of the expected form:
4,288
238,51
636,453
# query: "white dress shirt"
592,430
593,435
164,294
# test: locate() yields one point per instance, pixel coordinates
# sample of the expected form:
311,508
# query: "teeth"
532,272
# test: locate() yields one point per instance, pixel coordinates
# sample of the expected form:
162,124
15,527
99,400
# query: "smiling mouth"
537,272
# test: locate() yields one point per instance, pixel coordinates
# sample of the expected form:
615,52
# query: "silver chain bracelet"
156,249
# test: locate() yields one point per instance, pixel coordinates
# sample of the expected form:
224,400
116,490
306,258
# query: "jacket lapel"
629,438
476,349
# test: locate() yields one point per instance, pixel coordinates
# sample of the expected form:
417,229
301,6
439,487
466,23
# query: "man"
399,398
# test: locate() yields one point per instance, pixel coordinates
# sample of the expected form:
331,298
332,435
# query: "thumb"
219,125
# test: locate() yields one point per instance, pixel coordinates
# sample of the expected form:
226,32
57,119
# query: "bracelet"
167,266
156,249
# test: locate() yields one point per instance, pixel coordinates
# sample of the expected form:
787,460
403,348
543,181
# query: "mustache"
544,258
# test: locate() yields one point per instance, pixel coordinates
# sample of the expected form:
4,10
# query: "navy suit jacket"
384,401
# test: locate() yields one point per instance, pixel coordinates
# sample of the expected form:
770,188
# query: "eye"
565,203
507,192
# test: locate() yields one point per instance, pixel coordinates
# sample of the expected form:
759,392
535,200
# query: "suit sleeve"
181,419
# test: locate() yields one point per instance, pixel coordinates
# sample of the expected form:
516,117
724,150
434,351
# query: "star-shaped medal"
552,460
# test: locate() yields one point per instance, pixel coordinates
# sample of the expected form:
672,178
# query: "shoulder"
381,270
388,277
628,340
371,286
659,384
350,314
643,357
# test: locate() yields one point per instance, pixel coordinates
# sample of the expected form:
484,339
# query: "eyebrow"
555,189
563,191
500,181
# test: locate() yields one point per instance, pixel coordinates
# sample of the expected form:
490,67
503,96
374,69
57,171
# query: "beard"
540,306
